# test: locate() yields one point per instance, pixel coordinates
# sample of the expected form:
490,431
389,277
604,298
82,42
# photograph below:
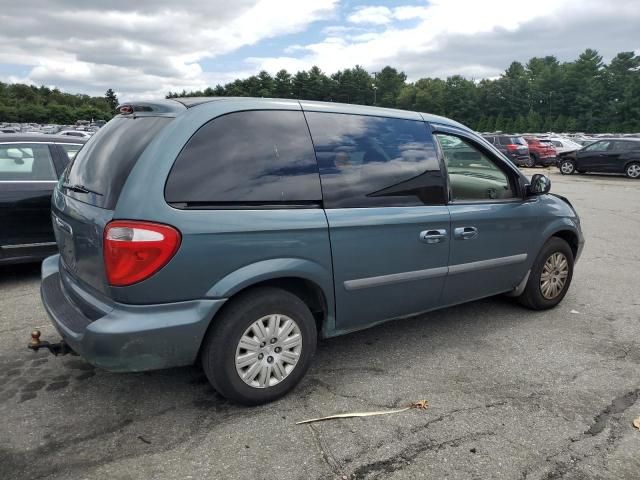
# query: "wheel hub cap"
567,167
554,275
634,171
268,351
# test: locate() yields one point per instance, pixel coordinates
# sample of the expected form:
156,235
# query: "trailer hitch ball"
60,348
35,338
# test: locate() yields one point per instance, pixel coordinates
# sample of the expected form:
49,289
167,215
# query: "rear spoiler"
155,108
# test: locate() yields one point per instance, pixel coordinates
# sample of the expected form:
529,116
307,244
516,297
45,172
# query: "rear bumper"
580,247
548,160
519,159
124,338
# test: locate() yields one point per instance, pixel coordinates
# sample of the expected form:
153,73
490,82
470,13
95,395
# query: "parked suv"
541,152
235,232
515,148
609,155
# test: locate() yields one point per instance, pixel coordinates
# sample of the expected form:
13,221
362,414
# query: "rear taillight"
133,250
512,147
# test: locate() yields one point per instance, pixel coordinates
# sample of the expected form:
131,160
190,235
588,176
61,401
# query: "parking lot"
512,393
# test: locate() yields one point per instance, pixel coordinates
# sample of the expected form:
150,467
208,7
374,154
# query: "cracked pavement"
513,394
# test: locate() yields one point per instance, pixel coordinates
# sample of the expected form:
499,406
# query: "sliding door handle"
465,233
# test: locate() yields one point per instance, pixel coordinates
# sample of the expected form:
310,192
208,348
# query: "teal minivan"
235,232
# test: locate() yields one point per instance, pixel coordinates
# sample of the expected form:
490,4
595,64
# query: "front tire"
260,346
567,167
550,276
531,162
633,170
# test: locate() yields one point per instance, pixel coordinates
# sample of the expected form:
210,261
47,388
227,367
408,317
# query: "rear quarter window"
103,164
247,158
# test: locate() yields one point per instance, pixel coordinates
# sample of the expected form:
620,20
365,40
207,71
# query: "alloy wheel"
268,351
567,168
554,275
633,170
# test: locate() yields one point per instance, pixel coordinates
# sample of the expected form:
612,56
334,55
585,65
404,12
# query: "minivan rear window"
104,163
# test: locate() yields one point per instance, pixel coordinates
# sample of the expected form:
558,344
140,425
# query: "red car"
541,152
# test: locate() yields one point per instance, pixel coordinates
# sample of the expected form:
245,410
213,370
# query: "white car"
75,133
562,144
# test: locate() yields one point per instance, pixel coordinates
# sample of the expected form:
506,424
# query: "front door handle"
433,236
465,233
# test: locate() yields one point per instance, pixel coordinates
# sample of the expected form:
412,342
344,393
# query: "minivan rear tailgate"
78,228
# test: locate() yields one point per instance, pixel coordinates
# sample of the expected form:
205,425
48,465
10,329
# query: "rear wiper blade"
79,188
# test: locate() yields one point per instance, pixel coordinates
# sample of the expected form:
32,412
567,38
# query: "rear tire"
550,276
279,358
567,167
633,170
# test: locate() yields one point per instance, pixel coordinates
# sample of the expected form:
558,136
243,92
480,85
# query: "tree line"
544,94
585,95
30,104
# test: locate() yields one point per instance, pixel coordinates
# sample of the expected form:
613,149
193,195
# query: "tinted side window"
26,162
598,147
472,174
374,161
247,157
622,146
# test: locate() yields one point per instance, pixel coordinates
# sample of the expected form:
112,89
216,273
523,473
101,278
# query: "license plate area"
64,238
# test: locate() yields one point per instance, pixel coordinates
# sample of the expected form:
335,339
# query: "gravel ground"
513,394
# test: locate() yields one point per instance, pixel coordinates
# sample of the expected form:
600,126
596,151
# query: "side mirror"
539,185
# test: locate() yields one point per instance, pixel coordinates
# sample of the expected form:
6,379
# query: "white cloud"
475,39
146,48
141,48
408,12
372,15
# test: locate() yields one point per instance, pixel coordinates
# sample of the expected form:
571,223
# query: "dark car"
541,152
29,169
609,155
236,232
514,147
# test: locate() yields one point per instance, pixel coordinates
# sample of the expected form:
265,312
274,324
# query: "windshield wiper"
79,189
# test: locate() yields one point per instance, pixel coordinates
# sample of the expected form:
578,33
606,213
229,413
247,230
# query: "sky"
143,49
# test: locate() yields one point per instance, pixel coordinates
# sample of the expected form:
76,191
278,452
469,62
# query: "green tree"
406,98
112,100
520,125
282,85
266,86
430,95
585,94
389,82
533,121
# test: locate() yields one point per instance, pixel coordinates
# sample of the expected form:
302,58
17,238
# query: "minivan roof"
333,107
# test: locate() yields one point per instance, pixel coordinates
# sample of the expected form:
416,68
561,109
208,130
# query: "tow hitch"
60,348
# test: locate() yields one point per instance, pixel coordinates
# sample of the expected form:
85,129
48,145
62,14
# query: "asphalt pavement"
513,394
